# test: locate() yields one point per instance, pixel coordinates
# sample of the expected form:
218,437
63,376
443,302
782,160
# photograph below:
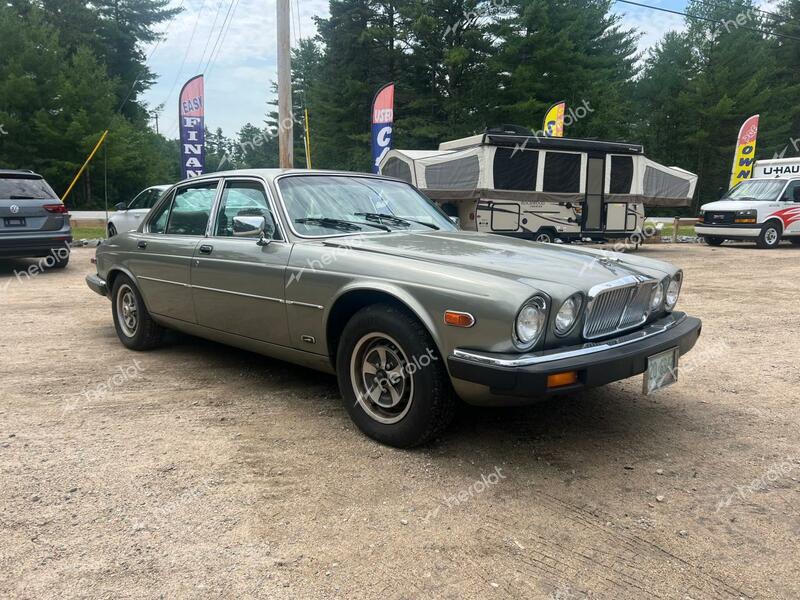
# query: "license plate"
18,222
662,370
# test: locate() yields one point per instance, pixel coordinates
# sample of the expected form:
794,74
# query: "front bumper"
596,363
97,284
730,232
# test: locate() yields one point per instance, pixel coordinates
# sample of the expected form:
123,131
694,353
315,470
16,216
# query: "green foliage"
59,91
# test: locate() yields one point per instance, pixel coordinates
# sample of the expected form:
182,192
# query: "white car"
764,210
128,216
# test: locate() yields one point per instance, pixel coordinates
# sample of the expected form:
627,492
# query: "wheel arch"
777,220
115,272
352,299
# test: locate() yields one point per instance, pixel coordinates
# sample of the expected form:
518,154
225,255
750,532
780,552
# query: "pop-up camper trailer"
515,183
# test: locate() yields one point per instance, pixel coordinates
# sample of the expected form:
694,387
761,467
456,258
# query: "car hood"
530,262
732,204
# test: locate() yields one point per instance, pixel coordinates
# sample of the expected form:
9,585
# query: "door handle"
206,249
141,244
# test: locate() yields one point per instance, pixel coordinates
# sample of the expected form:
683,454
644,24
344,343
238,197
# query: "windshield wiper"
25,198
339,223
395,219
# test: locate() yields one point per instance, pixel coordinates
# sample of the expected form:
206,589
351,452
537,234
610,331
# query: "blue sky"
238,80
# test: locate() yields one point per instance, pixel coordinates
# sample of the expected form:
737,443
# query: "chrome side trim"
306,304
164,281
535,358
256,296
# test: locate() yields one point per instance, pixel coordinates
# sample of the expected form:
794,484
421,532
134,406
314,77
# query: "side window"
140,201
792,193
621,174
243,198
152,198
191,209
562,172
158,224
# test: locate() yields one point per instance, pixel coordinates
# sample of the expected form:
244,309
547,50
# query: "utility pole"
285,118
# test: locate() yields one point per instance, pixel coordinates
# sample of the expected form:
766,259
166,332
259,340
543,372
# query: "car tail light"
56,208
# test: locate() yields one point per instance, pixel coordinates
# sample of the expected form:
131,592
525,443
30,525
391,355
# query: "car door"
139,208
162,256
237,284
790,208
125,220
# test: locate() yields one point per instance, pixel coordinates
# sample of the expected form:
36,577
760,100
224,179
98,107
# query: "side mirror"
121,206
456,221
721,191
253,227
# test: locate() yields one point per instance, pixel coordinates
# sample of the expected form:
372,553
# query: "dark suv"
33,221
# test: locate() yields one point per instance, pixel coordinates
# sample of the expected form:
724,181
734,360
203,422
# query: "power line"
219,36
708,19
149,56
222,40
753,8
210,35
185,54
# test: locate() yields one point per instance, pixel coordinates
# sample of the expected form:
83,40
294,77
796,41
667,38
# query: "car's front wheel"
393,381
714,241
770,236
135,327
112,231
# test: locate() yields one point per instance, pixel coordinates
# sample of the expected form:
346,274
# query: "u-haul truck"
764,209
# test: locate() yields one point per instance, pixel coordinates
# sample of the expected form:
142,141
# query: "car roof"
271,174
20,173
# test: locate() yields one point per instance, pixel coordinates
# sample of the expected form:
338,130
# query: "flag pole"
85,164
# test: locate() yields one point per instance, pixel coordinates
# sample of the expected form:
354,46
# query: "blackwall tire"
135,327
394,384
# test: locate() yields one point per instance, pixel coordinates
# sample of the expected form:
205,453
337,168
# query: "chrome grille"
618,306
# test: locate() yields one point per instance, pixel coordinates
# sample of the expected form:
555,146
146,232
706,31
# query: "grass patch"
88,233
687,230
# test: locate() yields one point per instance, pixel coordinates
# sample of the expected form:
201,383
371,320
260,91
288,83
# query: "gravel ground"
199,471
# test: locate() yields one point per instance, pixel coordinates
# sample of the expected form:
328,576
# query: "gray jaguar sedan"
363,277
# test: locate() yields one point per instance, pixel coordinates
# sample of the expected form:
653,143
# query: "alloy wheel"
381,378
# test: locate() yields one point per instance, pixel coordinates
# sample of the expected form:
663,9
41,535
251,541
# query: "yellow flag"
554,120
745,151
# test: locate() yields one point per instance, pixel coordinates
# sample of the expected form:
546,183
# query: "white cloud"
239,77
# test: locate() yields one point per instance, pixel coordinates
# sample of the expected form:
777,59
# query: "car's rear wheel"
135,327
393,382
714,241
770,236
112,231
57,259
544,236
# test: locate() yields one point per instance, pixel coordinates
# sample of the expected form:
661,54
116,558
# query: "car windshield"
26,188
756,189
320,205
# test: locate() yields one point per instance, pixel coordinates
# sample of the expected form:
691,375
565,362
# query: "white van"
764,209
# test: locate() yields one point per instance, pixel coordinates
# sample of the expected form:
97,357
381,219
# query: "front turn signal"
561,379
459,319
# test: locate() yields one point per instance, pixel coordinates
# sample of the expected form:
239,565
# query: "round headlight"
658,297
674,290
567,314
530,321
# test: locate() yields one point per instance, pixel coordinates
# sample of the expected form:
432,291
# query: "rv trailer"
512,182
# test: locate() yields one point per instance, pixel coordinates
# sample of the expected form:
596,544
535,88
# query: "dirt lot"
204,471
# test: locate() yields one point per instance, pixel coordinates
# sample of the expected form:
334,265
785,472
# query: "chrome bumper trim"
545,356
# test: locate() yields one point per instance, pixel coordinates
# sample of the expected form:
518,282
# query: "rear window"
25,188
